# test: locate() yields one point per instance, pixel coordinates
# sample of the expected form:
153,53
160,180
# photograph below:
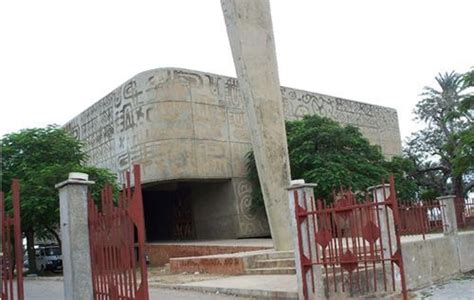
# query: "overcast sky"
59,57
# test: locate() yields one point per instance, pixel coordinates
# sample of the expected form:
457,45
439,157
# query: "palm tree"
440,109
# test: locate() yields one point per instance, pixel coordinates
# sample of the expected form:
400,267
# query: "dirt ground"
162,275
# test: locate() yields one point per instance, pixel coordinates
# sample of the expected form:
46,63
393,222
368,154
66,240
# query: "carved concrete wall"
181,124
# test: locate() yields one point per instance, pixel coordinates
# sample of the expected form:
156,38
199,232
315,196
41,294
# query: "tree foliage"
463,160
41,158
442,152
323,152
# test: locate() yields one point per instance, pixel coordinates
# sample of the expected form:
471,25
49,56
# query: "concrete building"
189,132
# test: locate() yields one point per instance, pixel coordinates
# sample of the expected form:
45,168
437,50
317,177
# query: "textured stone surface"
250,32
160,254
159,119
75,240
460,288
252,286
266,261
213,204
448,210
224,265
437,258
51,289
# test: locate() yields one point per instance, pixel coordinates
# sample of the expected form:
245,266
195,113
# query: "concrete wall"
436,259
213,206
185,125
466,251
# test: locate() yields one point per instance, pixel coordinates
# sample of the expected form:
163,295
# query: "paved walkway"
248,287
460,288
53,290
268,286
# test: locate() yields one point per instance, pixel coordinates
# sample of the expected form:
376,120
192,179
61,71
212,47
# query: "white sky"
59,57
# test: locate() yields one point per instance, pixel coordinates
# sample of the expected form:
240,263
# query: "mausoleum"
189,132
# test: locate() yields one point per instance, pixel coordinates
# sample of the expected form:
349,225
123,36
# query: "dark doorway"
168,214
190,210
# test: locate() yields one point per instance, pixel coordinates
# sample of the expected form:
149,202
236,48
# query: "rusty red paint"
464,212
117,242
348,244
421,217
12,253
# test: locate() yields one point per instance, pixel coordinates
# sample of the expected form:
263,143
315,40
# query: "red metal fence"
421,217
465,212
356,245
12,248
424,217
118,262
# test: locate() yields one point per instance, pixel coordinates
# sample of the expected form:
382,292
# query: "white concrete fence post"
303,193
448,211
75,237
380,194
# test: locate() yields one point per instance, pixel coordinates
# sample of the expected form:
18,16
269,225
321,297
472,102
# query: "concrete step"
275,263
280,255
268,271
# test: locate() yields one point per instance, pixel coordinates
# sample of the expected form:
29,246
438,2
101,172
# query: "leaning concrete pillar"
380,194
75,237
301,195
448,213
249,27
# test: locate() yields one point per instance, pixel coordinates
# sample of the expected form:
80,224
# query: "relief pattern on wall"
185,124
109,127
252,222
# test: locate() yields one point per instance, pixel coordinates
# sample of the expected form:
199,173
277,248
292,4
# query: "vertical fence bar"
2,232
398,257
10,259
140,222
12,248
112,230
17,238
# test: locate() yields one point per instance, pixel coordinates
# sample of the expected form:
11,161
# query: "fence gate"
12,249
117,240
349,248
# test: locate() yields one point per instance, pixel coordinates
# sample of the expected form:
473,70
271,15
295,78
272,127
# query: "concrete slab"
259,286
419,237
267,243
230,264
160,253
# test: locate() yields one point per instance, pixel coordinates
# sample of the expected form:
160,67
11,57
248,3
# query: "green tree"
463,160
322,151
442,151
41,158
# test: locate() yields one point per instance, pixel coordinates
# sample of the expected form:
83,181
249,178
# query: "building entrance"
191,210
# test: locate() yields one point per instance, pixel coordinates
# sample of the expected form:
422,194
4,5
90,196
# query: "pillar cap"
385,185
446,197
78,176
299,183
75,178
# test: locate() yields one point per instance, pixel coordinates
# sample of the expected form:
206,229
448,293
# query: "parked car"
49,258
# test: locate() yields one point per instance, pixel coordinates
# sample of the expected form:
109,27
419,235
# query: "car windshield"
52,251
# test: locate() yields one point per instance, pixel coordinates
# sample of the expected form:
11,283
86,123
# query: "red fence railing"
425,217
12,248
465,212
118,263
421,217
356,244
